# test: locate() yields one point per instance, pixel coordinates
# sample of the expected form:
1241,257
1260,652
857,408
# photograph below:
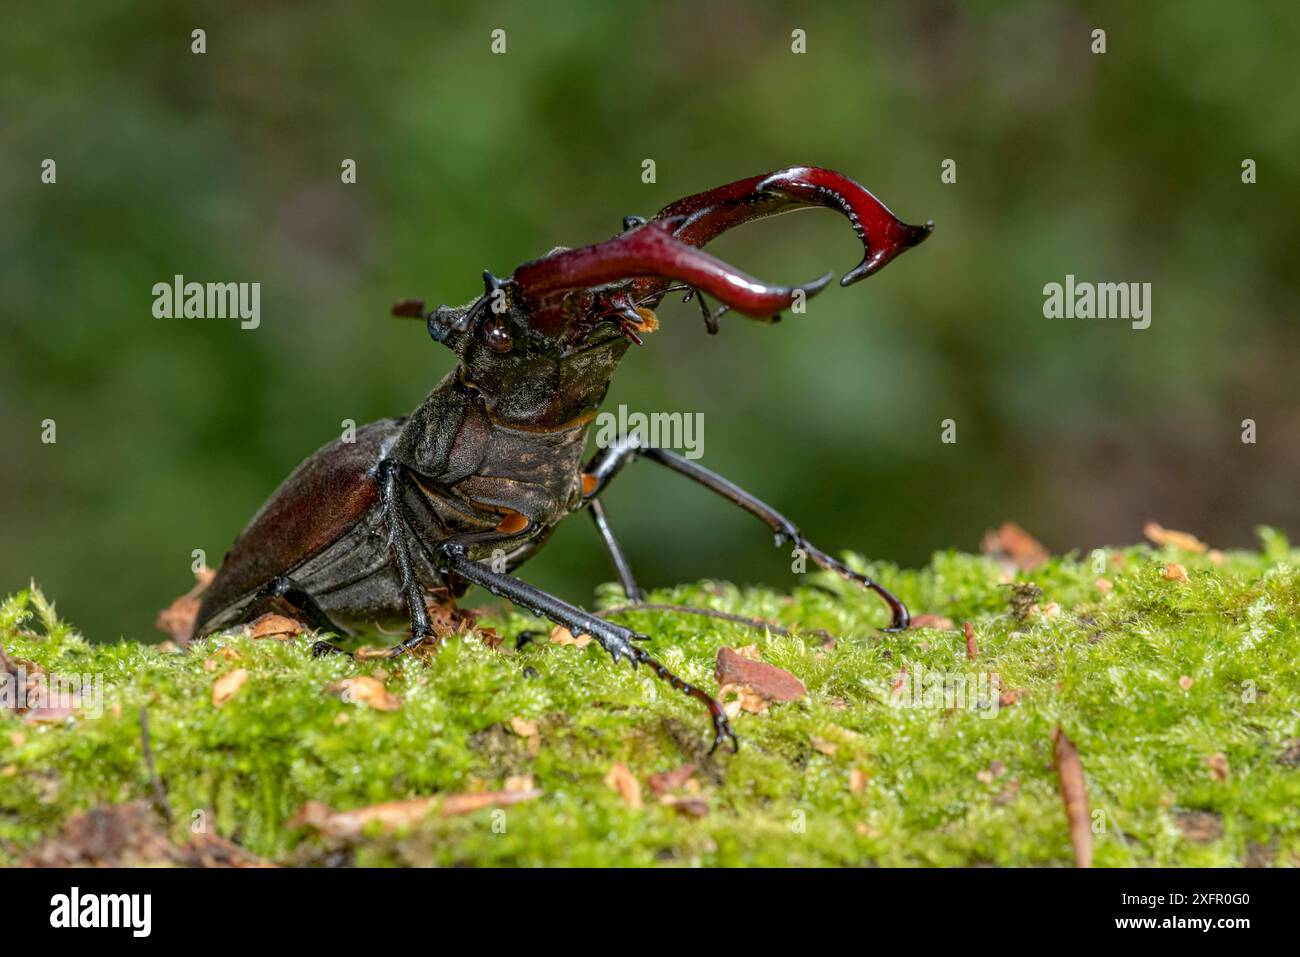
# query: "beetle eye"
497,334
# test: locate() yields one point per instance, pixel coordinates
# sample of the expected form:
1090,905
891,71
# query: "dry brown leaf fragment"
523,727
1290,756
1010,697
938,622
1168,536
519,782
1200,826
829,748
454,804
132,835
1008,794
213,661
1260,855
972,647
766,681
363,689
990,774
53,713
749,651
446,619
1217,764
393,815
1012,544
1074,793
620,779
37,695
319,816
562,636
857,780
738,698
275,626
1174,572
528,731
177,619
686,806
666,781
227,686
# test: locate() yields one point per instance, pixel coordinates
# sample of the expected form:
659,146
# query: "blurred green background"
225,167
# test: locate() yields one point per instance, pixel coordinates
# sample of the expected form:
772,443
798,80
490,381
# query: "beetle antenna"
409,309
491,284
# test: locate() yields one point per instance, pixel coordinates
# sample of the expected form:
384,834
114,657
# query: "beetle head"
526,371
541,345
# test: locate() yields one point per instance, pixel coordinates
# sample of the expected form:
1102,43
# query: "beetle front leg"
615,639
609,461
390,474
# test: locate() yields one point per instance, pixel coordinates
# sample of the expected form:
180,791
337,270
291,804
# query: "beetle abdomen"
324,497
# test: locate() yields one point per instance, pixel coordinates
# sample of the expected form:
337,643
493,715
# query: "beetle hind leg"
284,593
300,601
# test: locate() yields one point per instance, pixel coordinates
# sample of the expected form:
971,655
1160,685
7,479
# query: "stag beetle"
417,508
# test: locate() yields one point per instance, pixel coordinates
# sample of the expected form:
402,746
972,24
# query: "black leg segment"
299,601
609,461
615,639
390,476
616,556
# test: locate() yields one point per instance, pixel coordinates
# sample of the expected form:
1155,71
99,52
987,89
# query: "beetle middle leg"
615,551
609,461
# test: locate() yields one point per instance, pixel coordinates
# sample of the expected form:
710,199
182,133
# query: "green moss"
1106,668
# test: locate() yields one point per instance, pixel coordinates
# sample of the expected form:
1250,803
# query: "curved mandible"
700,218
651,252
